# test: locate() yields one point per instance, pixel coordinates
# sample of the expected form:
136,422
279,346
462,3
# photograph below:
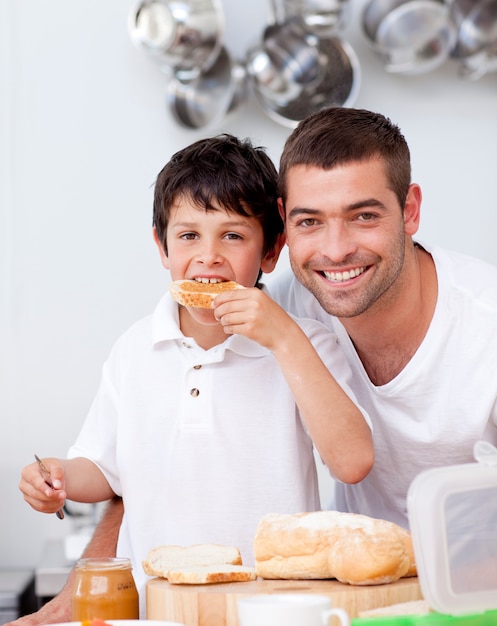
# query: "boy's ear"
269,260
162,253
281,210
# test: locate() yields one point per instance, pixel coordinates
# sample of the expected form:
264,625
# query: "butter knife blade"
46,477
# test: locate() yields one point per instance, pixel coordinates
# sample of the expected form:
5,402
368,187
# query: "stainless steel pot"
323,18
205,99
182,36
409,36
338,86
476,45
284,63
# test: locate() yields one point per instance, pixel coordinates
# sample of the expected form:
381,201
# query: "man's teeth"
204,279
338,277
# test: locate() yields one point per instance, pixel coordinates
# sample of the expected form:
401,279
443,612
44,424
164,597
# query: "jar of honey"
104,589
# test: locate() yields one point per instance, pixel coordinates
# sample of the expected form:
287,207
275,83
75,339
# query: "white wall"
84,131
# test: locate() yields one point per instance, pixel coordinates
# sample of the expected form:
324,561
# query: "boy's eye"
188,236
233,236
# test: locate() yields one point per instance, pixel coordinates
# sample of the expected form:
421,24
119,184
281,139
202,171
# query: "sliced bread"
198,294
161,560
216,573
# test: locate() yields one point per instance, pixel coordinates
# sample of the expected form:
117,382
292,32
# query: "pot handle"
276,14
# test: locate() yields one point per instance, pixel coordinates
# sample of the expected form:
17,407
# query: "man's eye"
366,217
307,222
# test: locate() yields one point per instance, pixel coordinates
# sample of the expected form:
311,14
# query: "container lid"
453,520
489,618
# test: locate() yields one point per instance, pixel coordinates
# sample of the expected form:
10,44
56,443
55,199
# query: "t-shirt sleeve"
97,438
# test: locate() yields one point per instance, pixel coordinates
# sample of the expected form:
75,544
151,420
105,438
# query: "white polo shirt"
200,443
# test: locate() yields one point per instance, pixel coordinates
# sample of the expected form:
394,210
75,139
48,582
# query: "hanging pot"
323,18
284,63
476,45
409,36
205,99
182,36
338,85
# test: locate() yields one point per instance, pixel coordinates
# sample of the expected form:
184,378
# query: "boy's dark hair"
337,135
232,173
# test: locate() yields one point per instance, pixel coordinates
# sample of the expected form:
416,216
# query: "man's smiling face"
346,233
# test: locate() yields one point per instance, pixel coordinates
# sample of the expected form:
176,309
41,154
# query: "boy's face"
212,245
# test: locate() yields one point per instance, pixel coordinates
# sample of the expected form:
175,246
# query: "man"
418,324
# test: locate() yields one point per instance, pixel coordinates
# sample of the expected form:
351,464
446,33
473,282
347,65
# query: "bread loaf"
216,573
352,548
198,294
160,561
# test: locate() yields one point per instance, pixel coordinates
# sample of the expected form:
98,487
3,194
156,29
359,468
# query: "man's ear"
163,256
412,209
269,260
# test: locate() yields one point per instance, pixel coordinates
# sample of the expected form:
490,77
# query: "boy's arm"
84,482
77,479
102,544
335,423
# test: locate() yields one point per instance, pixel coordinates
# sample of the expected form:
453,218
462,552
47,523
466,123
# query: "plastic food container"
453,520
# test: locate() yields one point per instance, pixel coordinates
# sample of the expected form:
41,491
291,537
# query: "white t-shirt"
200,443
442,402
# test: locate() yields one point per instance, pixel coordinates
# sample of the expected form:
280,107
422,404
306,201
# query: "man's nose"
338,243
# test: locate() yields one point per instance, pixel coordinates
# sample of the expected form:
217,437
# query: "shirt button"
197,367
194,392
186,344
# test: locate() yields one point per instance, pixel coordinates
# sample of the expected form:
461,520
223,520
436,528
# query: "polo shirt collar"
165,325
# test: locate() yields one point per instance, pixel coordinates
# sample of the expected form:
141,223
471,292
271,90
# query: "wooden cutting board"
215,605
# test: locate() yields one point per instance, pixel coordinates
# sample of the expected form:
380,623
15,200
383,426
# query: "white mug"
288,609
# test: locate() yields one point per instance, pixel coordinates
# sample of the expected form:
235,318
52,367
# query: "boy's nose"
210,254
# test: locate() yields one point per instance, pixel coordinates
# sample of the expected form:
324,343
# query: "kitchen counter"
52,571
16,594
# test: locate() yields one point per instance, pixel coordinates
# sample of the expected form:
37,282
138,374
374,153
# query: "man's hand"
102,544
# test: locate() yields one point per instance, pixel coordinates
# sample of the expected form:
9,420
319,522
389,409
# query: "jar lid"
102,563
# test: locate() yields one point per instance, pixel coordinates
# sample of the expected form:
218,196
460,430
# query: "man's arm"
102,544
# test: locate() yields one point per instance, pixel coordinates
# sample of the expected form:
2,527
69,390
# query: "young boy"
204,419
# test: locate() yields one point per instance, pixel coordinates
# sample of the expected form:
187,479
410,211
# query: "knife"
46,477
